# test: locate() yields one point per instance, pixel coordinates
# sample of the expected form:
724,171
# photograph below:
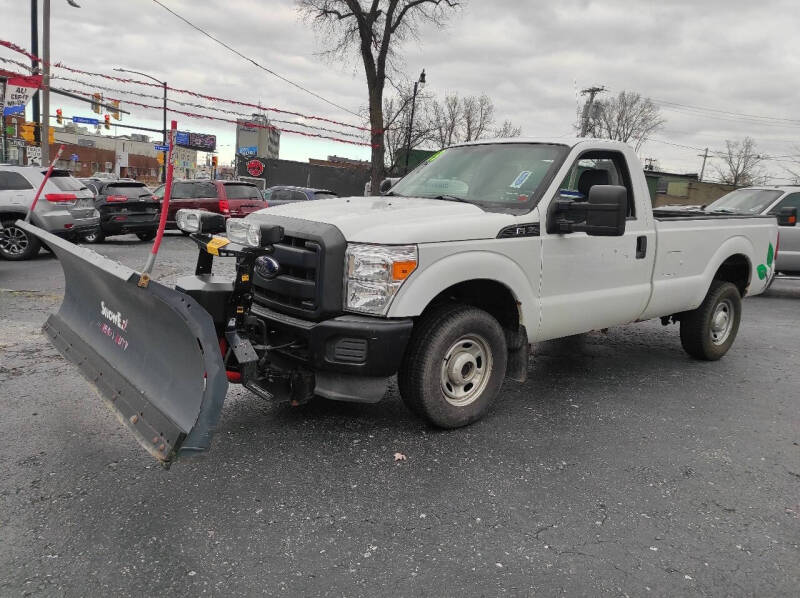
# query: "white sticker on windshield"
521,178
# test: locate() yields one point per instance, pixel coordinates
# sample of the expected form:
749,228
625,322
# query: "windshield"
504,175
242,191
132,190
745,201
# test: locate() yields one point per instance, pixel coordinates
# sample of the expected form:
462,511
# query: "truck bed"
690,248
664,215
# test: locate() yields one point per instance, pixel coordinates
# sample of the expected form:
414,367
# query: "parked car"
92,183
234,199
65,208
446,282
283,194
752,201
125,207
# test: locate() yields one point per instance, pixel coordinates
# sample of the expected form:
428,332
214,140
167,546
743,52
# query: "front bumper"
350,344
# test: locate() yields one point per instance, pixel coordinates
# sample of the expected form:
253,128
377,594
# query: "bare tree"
445,121
794,170
478,117
397,112
508,130
469,119
374,29
627,117
741,163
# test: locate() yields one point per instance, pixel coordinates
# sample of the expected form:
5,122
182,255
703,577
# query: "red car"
234,199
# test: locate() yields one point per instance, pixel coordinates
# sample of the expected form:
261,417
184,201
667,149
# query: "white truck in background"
446,281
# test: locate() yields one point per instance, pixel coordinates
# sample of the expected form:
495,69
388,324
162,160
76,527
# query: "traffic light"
115,114
51,135
59,116
108,121
214,161
96,99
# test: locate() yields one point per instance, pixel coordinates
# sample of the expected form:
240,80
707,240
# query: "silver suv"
65,208
768,201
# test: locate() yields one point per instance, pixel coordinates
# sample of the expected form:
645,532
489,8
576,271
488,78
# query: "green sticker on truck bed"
763,271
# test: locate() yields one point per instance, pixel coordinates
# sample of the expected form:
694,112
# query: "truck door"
591,282
789,250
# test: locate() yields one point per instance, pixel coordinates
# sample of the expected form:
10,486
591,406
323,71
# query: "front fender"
423,286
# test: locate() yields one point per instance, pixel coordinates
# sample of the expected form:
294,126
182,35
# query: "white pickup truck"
446,282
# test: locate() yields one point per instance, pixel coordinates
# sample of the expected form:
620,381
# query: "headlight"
243,232
199,221
375,273
188,221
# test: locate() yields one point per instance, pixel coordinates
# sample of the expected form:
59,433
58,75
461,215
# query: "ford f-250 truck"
445,282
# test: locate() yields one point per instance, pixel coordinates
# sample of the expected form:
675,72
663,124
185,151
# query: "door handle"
641,247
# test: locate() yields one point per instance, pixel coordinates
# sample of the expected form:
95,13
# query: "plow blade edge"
152,353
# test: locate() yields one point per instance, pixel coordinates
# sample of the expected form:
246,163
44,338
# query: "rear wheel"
709,331
454,366
97,237
146,236
17,244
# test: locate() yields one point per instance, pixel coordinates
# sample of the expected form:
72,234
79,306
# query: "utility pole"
45,138
587,107
35,65
704,155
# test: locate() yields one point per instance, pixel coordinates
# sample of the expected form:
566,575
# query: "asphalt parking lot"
622,467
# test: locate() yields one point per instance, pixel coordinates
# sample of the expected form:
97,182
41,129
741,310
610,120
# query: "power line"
728,112
250,60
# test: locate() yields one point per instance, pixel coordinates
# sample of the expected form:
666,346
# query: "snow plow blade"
151,352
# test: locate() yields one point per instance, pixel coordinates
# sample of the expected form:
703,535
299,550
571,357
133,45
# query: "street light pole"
44,138
419,83
164,130
34,64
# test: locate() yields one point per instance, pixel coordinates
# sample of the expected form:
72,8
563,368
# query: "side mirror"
603,214
386,184
787,217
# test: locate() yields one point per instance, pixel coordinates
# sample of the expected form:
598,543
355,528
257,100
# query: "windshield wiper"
725,210
451,198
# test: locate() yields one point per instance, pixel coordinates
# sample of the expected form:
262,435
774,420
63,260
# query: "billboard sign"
19,90
197,141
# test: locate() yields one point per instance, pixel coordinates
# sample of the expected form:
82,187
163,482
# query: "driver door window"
599,168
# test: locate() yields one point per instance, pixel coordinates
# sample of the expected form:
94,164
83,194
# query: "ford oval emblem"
267,267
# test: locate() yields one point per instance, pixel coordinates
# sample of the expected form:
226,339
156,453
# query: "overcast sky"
733,56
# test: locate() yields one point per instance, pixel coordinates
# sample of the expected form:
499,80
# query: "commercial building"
132,156
254,138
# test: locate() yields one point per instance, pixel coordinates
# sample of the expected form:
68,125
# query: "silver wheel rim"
13,240
722,322
466,369
90,238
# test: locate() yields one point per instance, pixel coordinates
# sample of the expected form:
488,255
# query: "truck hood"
396,220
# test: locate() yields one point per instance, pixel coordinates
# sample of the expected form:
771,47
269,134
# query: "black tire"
17,244
709,331
453,334
97,237
146,236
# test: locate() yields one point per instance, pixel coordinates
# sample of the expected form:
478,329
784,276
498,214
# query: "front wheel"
454,365
16,243
709,331
146,236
